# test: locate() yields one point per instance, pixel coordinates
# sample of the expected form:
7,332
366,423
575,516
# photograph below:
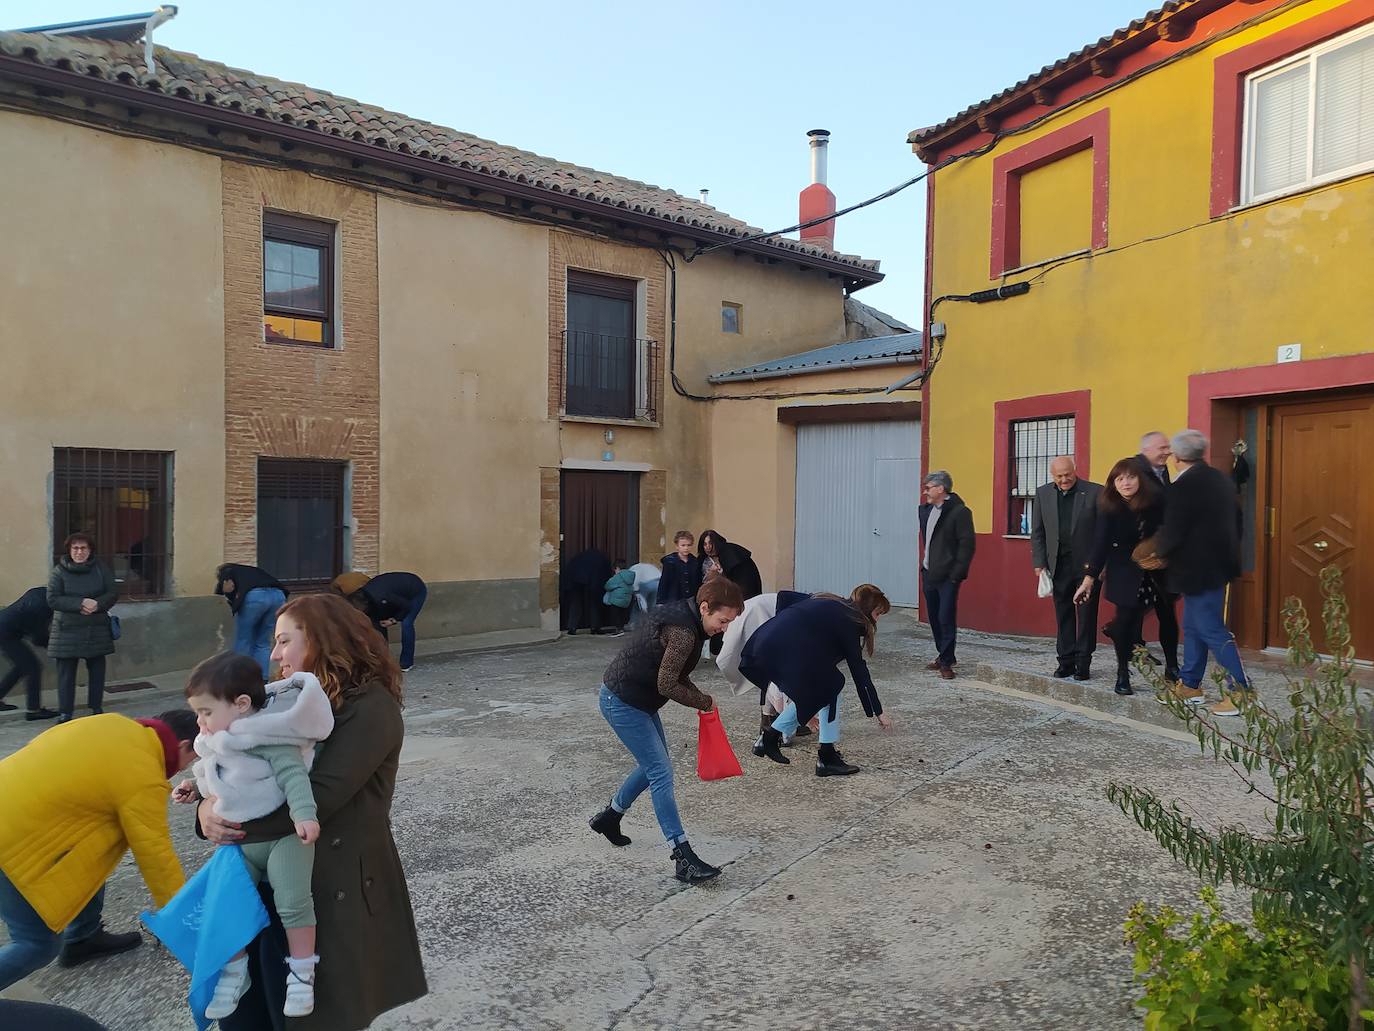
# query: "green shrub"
1217,974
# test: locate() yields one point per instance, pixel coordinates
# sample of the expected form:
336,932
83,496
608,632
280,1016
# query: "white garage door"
858,485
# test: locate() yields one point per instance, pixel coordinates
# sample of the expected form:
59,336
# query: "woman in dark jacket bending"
800,649
654,666
1130,510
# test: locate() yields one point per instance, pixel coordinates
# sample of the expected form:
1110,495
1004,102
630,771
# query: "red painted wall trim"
1263,380
1007,169
1228,89
1077,403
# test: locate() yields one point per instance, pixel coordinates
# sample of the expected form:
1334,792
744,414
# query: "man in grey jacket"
1062,525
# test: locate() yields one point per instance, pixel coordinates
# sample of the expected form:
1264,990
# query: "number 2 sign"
1290,352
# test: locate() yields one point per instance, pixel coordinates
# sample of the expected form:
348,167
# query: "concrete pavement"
973,875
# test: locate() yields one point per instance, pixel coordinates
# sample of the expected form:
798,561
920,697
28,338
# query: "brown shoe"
946,673
1230,704
1184,693
933,665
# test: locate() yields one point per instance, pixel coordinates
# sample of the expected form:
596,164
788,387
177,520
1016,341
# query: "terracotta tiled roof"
208,82
1078,58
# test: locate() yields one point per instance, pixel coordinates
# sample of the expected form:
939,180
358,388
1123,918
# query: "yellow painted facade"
1133,325
1177,292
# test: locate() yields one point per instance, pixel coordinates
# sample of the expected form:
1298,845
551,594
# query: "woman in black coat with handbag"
81,590
1130,510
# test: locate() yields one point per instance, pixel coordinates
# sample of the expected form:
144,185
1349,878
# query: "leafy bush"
1217,974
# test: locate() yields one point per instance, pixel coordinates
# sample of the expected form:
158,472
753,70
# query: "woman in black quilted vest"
655,665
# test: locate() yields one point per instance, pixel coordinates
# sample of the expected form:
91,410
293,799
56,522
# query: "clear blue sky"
707,94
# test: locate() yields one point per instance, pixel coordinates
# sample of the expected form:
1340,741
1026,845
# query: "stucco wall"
111,288
1132,326
464,426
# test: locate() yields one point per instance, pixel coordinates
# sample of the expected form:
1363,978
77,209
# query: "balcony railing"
610,377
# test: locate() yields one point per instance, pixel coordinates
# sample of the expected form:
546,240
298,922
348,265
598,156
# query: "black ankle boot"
830,763
607,824
691,869
771,743
102,943
1123,682
765,721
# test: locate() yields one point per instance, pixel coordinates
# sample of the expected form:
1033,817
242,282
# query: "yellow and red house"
1172,227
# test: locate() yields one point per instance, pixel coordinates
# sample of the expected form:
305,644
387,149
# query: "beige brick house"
250,321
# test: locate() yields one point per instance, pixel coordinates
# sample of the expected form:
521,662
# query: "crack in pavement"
867,817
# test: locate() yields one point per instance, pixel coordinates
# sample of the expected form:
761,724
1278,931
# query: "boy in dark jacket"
681,570
28,617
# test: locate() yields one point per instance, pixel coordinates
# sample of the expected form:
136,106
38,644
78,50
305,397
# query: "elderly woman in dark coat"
81,590
1130,510
369,952
800,649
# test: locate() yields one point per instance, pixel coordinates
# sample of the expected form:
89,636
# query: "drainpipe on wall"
163,14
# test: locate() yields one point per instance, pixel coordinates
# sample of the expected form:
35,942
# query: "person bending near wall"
654,666
391,598
27,617
254,596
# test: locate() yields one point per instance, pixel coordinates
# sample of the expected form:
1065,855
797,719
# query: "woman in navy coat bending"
800,649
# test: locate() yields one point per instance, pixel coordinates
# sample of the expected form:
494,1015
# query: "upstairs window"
608,372
297,280
731,317
1310,119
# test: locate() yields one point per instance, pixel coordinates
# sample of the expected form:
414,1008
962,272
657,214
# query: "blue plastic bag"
215,915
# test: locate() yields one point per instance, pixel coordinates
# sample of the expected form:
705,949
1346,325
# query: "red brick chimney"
816,200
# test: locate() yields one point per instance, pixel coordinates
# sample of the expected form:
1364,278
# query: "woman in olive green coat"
80,592
369,951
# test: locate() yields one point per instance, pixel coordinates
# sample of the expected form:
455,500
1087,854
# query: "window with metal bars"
1035,443
297,280
608,372
301,520
123,499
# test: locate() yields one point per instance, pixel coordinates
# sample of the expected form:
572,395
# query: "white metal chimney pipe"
820,144
705,196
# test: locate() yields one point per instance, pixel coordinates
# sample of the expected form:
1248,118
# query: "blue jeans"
787,723
32,944
408,629
646,597
942,609
642,734
255,625
1204,630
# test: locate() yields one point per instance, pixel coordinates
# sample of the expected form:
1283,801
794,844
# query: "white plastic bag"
1045,587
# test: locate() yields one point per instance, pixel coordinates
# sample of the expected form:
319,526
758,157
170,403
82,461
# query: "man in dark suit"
1154,457
1199,544
1062,523
947,546
1153,460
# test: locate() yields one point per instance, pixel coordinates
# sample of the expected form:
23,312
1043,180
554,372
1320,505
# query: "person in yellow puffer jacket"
72,802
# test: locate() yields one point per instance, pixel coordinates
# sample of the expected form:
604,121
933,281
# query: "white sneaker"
233,982
300,995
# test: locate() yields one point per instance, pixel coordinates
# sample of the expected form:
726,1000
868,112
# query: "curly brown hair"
345,651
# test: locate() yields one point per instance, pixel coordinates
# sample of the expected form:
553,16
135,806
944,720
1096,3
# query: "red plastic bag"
715,759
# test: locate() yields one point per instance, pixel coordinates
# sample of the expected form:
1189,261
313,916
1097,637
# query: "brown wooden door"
1322,494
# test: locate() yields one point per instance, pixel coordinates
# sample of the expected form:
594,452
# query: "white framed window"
1035,443
1309,119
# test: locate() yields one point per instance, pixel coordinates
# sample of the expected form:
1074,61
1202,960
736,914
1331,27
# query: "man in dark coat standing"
947,546
1198,543
1061,542
28,617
